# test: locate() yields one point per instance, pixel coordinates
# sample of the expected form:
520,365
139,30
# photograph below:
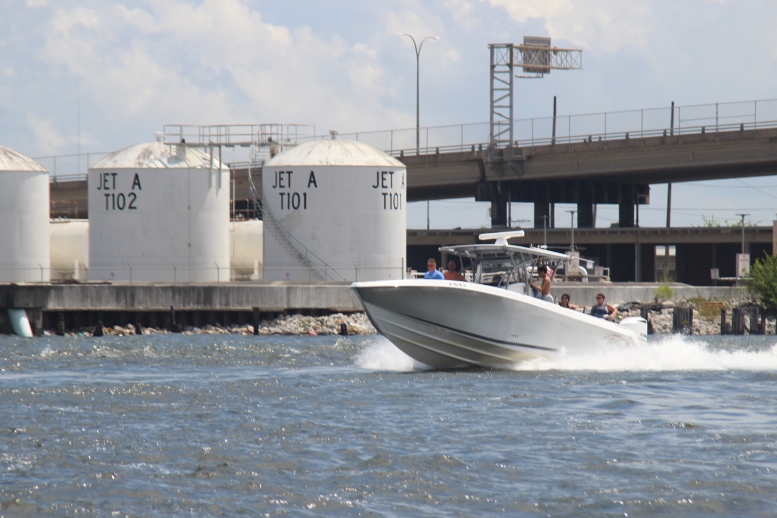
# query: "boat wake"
382,355
672,353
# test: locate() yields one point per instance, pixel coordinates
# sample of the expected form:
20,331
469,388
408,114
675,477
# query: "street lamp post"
418,48
572,224
741,257
743,230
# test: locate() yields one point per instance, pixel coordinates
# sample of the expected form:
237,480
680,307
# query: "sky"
90,76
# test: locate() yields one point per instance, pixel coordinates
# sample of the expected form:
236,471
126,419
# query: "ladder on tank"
259,153
324,272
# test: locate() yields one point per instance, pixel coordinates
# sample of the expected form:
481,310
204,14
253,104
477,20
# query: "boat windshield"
501,264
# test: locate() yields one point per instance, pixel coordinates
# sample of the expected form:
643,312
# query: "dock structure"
165,305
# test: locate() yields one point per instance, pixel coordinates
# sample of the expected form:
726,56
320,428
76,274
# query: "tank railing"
245,164
348,273
236,135
171,272
178,274
33,273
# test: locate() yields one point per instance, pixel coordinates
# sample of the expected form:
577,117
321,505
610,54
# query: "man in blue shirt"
431,270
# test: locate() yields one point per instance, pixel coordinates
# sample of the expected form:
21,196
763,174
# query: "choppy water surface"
172,425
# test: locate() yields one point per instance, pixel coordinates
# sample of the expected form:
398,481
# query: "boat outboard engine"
638,325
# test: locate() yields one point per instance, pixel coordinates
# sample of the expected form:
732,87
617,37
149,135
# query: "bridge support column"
542,214
499,211
552,215
626,214
585,215
489,191
626,201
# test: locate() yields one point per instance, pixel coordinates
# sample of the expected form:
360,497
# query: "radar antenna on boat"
501,237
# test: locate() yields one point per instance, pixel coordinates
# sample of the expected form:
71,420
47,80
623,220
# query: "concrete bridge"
590,172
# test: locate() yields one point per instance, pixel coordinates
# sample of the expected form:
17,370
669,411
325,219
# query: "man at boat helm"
453,274
603,309
543,291
431,270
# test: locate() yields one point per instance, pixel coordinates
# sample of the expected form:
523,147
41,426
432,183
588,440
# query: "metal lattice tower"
536,58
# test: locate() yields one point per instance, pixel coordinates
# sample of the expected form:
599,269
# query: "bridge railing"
614,125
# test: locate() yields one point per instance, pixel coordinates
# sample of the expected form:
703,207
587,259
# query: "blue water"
224,425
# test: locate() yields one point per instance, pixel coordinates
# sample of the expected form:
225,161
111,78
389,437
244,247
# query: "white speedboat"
492,321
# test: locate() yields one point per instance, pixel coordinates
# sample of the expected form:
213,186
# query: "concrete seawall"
151,305
163,305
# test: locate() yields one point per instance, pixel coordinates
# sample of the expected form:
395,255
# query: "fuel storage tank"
24,219
159,212
334,210
246,246
69,241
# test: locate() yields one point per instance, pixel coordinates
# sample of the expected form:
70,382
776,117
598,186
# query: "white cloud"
463,11
604,26
49,141
216,61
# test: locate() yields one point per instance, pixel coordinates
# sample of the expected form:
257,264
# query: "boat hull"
450,324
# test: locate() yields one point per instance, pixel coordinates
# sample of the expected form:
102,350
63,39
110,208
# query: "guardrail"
570,129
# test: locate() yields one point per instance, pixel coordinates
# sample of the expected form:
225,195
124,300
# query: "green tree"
763,281
711,222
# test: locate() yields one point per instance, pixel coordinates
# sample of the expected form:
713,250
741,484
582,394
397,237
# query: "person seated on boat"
543,291
603,309
453,274
431,270
564,302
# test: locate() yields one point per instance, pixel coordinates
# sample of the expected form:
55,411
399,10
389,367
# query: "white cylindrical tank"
334,210
246,246
159,212
69,249
24,219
